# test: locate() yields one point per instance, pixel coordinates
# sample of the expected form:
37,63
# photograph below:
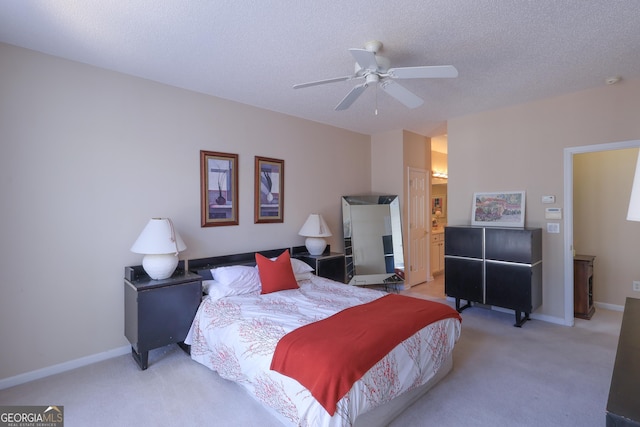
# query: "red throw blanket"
328,356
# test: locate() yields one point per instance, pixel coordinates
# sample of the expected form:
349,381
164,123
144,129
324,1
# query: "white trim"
543,317
606,306
63,367
568,217
535,316
568,235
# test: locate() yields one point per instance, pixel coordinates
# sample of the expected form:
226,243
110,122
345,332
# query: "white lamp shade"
160,244
315,226
634,203
158,237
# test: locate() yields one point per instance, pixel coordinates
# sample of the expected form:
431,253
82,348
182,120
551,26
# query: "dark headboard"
203,266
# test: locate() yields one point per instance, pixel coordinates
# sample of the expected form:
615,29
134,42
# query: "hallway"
433,289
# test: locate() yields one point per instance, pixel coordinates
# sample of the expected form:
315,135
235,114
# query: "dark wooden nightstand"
328,265
158,312
583,286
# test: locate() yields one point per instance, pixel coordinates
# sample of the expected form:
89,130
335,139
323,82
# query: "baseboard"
536,316
543,317
606,306
62,367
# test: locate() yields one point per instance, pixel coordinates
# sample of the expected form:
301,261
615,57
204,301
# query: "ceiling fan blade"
401,93
321,82
425,72
351,97
365,58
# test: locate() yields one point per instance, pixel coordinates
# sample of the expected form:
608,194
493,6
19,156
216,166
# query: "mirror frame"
397,273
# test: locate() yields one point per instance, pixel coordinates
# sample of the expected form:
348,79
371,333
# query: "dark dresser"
500,267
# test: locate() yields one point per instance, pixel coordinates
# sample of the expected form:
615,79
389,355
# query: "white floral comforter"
237,335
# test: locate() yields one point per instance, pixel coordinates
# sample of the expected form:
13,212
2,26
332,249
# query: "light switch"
553,227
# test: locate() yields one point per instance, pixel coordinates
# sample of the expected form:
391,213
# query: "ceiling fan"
374,68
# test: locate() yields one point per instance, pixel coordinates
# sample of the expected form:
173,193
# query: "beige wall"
386,164
522,148
391,154
438,158
600,202
88,156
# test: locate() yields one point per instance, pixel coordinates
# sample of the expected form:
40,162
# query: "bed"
238,332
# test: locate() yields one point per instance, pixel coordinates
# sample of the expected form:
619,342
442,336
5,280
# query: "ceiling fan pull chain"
376,97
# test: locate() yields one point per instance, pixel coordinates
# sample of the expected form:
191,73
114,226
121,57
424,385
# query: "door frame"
568,217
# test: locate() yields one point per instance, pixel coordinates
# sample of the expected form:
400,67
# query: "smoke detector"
612,80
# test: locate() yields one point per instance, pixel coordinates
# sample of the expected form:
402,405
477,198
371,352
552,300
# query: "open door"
418,234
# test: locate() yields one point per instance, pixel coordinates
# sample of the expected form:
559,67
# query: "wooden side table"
158,312
583,286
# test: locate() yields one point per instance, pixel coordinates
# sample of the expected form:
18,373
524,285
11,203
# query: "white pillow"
303,276
208,284
300,267
237,279
217,290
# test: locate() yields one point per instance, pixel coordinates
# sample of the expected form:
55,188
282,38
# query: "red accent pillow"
276,275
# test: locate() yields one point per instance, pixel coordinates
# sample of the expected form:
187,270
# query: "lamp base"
315,245
160,266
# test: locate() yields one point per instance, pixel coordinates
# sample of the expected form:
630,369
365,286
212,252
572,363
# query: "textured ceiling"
251,51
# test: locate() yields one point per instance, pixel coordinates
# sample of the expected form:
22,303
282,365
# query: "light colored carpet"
538,375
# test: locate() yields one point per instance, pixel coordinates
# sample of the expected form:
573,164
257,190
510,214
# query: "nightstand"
158,312
583,286
329,265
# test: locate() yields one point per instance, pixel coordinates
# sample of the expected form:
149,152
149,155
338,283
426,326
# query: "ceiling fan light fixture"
372,78
373,46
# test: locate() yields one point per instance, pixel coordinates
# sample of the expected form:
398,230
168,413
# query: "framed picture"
501,209
438,206
269,190
218,189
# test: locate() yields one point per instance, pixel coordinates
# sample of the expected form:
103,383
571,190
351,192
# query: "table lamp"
160,244
315,229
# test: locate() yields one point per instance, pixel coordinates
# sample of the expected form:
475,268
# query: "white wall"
88,156
521,148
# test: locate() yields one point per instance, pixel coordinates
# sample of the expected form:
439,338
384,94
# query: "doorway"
569,154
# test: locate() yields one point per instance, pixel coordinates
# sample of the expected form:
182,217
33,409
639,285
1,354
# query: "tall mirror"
372,239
